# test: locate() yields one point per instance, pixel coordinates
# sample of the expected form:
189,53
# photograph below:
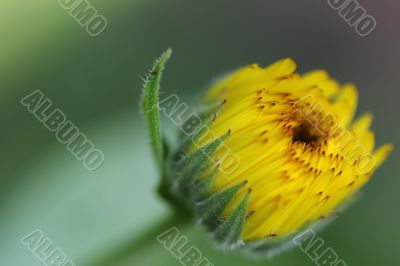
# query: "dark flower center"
306,133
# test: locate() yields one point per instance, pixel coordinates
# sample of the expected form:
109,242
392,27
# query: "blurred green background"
96,82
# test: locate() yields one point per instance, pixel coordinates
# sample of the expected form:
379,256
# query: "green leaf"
150,107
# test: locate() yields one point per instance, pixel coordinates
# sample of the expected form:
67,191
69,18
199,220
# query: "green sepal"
150,105
195,164
210,210
184,146
202,188
187,140
207,114
203,153
229,233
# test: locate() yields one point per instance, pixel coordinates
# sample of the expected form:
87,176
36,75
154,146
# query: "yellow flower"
301,155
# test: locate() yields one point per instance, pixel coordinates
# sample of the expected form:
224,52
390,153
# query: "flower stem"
128,248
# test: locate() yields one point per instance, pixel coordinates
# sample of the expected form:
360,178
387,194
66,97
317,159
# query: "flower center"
306,133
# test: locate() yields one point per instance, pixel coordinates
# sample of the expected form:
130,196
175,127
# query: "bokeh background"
97,83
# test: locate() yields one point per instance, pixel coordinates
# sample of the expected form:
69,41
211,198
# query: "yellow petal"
382,153
346,104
